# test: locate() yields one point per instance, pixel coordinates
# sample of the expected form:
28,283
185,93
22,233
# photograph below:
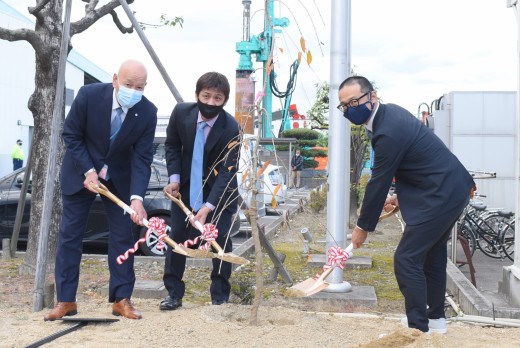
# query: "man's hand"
201,215
358,237
91,178
173,189
391,200
140,212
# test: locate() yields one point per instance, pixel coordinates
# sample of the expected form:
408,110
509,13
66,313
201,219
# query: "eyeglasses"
354,103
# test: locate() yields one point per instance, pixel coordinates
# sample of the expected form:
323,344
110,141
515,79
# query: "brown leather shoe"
126,309
62,309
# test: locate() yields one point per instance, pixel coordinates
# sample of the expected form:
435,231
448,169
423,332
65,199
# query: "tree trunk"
358,147
41,104
253,213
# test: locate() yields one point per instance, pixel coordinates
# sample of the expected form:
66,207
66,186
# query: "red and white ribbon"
155,225
337,258
209,234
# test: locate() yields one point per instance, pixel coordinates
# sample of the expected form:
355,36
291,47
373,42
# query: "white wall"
17,66
16,85
479,128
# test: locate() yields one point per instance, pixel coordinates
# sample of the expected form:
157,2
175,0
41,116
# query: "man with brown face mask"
202,150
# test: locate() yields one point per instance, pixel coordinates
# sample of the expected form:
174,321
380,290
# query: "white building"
17,68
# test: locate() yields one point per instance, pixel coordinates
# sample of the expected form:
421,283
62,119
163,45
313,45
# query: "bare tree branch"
92,15
39,6
36,11
91,5
119,25
22,35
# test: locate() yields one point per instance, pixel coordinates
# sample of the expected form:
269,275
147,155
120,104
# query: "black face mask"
209,111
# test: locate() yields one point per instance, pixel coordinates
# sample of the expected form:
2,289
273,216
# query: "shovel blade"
306,288
232,258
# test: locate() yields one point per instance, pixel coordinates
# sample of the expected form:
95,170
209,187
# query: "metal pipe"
52,170
339,135
151,51
246,26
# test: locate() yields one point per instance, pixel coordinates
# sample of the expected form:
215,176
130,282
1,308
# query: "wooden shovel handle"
198,225
103,190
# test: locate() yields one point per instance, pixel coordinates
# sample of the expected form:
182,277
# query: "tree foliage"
359,143
319,111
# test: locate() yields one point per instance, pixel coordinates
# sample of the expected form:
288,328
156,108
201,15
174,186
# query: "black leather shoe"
218,302
170,304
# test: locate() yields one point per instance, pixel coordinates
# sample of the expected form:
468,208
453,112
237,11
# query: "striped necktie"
115,125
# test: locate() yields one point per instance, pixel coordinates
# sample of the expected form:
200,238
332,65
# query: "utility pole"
514,281
339,138
261,46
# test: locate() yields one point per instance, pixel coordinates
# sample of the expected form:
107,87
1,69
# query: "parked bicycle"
490,230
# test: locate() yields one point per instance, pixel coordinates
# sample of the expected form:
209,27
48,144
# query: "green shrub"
318,200
301,133
314,153
310,163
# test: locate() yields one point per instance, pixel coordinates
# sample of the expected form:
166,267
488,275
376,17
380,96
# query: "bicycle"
483,229
507,237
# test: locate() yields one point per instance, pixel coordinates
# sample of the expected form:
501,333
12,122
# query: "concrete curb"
471,300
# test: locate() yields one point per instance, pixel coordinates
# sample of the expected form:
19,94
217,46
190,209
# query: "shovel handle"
103,190
327,272
198,225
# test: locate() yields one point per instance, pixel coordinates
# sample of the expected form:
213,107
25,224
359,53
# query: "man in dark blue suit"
433,189
108,136
214,194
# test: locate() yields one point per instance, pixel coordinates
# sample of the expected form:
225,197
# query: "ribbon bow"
209,234
155,225
337,258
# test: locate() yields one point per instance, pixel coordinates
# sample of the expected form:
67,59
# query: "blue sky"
415,50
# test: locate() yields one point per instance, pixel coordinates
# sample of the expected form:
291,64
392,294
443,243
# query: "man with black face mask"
202,148
433,188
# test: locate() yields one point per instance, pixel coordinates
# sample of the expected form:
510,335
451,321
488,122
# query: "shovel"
80,322
229,257
314,285
102,189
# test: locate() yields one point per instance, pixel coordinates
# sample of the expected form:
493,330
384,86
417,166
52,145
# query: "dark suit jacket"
220,156
430,180
86,135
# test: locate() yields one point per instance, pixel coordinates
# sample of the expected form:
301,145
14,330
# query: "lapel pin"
136,114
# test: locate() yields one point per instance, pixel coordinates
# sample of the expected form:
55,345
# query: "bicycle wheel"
488,236
467,233
507,240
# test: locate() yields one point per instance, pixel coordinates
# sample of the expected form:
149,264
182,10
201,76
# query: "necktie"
115,125
196,169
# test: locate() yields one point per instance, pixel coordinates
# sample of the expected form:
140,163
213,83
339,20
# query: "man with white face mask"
108,136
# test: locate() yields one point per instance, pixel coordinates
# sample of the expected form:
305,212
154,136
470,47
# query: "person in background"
108,136
433,189
17,155
296,169
202,150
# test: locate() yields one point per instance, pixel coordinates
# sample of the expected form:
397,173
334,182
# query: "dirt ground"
282,323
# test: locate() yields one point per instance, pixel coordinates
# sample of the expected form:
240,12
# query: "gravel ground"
197,323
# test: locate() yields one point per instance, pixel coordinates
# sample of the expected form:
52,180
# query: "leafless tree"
45,39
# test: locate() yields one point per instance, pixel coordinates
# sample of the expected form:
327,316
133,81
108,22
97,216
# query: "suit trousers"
420,268
175,263
70,244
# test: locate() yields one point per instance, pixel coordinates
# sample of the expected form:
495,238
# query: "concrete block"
359,297
150,289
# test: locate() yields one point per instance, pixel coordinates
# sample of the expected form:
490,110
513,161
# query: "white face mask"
128,97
